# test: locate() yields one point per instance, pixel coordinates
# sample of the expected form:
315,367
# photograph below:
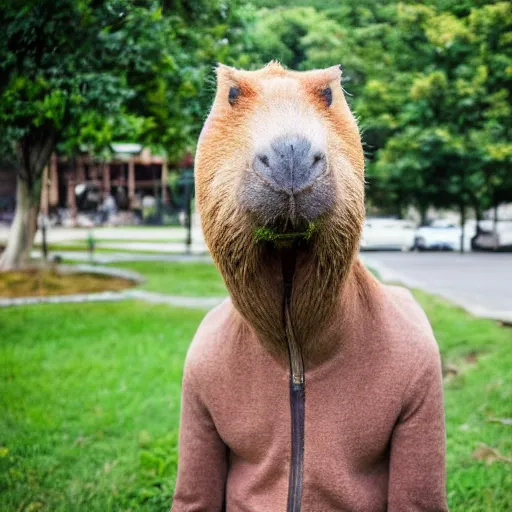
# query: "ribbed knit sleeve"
417,479
202,455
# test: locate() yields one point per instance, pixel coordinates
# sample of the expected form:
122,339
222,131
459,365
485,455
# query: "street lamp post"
187,180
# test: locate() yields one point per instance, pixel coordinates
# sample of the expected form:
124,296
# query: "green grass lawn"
475,398
173,278
90,403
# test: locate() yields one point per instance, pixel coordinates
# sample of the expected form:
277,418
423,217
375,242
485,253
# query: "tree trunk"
478,227
423,209
495,218
34,151
23,229
462,222
495,227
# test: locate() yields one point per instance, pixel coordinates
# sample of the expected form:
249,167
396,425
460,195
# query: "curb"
118,257
175,300
63,299
122,273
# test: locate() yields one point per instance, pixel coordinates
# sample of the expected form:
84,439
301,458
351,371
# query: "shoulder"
216,327
408,320
404,344
392,317
422,367
408,333
216,346
418,346
219,353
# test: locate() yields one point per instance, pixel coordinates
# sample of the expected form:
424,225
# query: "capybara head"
280,159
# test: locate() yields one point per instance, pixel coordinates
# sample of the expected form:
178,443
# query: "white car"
493,237
388,234
443,236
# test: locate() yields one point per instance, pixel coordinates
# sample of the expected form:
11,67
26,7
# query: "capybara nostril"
290,164
318,157
264,160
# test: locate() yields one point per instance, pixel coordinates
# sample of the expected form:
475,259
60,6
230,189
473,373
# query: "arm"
417,479
202,461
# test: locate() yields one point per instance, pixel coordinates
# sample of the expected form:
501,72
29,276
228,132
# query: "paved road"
479,282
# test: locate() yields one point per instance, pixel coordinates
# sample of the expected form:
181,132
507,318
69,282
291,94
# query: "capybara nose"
290,164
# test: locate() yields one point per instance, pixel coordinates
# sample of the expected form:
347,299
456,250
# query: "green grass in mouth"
270,235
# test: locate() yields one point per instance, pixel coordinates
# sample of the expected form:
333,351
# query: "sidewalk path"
154,298
175,300
150,239
481,283
137,233
156,247
114,257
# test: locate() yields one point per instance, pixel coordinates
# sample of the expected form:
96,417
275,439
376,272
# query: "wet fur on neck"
252,272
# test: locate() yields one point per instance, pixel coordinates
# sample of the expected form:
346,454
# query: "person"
313,387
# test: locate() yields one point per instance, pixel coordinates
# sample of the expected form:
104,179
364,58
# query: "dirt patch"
471,357
44,282
460,365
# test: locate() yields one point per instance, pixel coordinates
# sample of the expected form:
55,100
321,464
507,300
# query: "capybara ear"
225,74
322,77
334,73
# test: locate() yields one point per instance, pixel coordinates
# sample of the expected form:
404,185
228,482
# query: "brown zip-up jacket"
374,430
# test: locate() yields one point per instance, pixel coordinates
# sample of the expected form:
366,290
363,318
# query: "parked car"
493,237
442,235
387,234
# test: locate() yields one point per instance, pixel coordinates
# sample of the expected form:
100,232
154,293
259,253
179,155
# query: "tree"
83,73
431,85
429,81
60,62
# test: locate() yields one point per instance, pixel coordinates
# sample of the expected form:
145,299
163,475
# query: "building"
130,172
129,175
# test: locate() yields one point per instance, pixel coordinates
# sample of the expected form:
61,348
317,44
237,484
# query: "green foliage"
98,71
83,74
58,62
430,83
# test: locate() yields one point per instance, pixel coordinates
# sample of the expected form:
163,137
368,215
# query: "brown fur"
252,271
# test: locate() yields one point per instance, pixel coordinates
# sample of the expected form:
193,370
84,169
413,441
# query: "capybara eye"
234,92
327,95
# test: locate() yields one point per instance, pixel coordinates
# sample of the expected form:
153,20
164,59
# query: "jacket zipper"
297,400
